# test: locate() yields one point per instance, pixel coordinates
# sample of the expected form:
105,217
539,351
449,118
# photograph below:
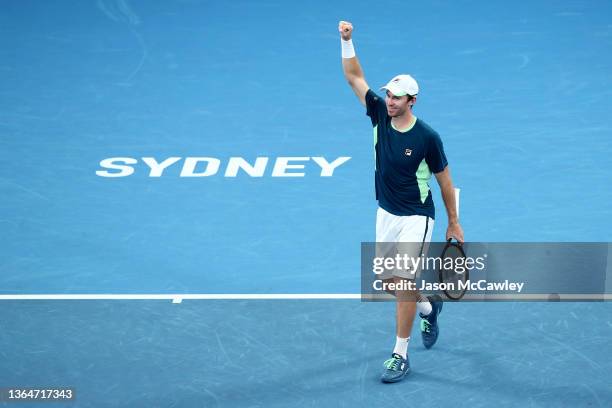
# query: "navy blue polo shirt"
405,162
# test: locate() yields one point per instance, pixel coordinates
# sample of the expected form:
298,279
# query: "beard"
396,112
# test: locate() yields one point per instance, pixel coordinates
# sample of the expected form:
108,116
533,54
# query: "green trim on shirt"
423,175
410,126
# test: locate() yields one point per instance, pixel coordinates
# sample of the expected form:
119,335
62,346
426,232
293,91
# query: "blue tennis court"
520,94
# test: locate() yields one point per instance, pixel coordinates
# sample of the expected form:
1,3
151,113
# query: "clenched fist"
346,30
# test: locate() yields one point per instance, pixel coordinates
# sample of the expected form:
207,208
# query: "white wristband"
348,51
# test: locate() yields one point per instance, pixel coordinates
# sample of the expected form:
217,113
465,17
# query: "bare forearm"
447,188
448,196
352,69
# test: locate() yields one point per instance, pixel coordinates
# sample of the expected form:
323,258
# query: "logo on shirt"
408,152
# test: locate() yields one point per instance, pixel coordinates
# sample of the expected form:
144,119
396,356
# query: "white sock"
401,346
423,306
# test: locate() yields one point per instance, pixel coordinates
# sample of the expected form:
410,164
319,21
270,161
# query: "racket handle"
449,242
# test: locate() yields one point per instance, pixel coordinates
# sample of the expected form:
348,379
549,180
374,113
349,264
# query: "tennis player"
407,152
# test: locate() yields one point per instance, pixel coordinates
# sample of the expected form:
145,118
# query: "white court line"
179,297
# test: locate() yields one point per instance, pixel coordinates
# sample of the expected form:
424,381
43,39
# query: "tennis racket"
453,271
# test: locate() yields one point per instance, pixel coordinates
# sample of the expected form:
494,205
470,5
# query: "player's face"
396,105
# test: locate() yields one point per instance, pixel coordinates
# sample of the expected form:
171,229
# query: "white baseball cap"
402,85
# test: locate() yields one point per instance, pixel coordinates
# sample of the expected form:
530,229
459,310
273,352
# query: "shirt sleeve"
435,157
376,107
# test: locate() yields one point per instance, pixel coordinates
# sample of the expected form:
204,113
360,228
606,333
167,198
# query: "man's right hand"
346,30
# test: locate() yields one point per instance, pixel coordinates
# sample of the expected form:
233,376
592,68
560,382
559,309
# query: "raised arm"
350,64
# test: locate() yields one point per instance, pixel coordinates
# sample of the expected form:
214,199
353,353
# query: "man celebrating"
407,152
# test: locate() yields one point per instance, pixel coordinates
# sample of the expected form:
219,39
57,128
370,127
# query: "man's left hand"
454,230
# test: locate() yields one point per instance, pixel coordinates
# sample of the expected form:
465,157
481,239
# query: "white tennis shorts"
403,235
